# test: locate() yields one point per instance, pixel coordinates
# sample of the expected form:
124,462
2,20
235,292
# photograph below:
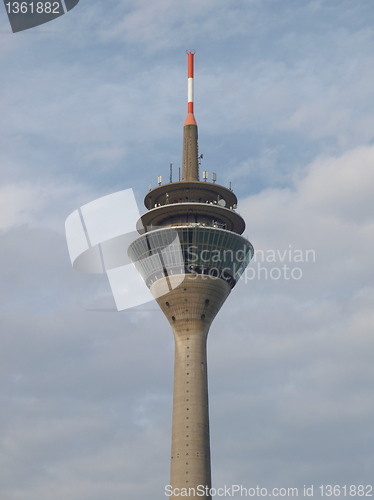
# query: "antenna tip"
191,51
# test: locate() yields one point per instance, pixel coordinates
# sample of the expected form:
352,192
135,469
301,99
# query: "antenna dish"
222,202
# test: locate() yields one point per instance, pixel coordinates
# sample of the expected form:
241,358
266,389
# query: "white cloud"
17,204
329,210
342,187
155,25
40,204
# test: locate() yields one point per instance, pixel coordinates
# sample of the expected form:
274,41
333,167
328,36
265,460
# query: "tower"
190,255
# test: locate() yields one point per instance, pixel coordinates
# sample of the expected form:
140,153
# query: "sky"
94,102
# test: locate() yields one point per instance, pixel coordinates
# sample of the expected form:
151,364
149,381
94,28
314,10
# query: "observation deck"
191,203
210,251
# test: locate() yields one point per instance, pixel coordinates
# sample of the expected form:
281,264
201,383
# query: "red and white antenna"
190,120
190,161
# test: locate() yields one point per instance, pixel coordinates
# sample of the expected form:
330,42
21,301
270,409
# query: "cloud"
40,204
154,26
17,203
63,421
342,187
329,210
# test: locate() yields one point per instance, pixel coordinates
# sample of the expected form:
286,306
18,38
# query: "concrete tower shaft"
190,309
190,170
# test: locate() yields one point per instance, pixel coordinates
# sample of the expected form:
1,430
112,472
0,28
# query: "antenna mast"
190,164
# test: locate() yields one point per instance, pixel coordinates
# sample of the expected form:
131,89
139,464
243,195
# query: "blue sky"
94,102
